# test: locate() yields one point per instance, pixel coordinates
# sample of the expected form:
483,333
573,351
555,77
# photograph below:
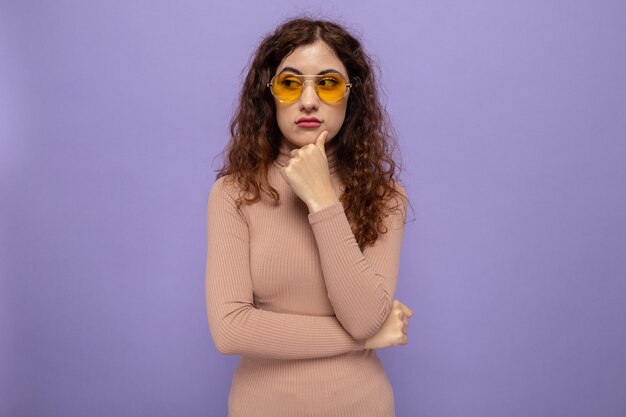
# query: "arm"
360,284
236,326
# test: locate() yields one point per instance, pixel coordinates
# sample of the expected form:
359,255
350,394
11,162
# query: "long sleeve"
360,284
236,325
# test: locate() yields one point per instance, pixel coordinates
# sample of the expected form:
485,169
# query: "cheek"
340,118
281,117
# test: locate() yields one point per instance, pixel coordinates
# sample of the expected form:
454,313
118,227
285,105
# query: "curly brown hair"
364,140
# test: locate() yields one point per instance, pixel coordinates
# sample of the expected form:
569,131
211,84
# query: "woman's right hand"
393,331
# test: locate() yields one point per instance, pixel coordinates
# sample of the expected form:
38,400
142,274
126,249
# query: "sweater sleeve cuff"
326,213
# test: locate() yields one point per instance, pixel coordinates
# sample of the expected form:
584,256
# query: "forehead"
313,58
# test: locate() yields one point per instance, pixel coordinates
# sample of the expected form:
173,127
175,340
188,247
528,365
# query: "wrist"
322,203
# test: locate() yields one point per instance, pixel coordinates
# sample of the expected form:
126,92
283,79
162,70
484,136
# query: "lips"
308,122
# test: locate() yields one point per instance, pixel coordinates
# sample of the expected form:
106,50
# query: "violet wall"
512,121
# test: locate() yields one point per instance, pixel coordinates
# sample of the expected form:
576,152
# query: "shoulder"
224,186
222,210
398,200
400,195
222,201
223,191
399,188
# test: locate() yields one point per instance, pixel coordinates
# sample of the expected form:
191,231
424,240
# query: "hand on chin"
308,175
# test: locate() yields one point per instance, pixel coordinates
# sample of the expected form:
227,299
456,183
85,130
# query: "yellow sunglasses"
287,87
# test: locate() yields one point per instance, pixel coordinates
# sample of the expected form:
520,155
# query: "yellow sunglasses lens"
331,88
288,87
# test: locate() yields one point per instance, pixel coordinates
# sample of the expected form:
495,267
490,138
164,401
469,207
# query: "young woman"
305,229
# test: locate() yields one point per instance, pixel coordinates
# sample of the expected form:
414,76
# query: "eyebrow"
326,71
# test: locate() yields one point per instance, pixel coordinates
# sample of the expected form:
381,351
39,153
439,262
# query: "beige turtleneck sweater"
292,293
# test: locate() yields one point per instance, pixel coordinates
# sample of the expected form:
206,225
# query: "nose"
309,99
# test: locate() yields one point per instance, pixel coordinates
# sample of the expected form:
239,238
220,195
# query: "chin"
302,138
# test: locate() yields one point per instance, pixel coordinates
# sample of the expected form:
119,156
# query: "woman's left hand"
308,175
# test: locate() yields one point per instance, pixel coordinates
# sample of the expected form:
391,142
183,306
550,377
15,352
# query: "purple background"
512,121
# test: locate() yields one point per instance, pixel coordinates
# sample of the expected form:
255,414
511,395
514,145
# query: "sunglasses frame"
316,76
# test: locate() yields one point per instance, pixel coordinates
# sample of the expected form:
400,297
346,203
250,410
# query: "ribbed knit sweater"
292,293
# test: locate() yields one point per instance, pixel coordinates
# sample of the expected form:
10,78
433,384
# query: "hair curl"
364,139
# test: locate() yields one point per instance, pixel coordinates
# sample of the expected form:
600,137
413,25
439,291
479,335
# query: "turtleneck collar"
284,154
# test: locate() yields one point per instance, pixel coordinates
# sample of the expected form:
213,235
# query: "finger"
406,310
321,139
293,152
